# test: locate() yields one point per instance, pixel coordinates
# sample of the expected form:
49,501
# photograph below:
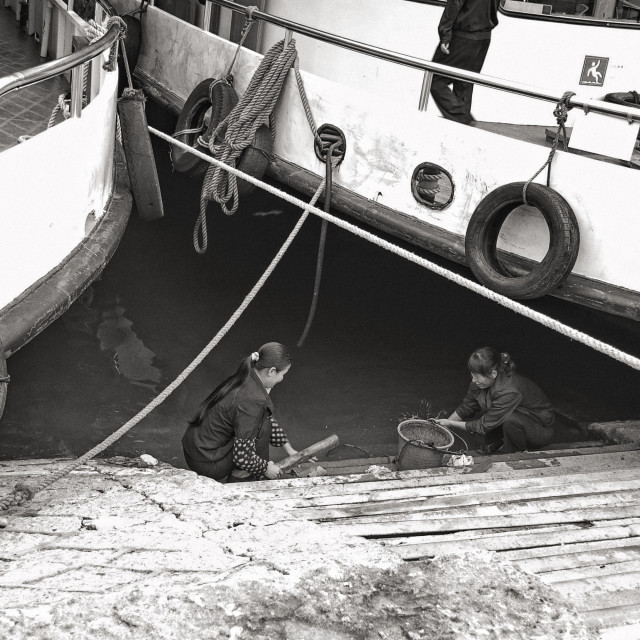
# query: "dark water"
390,339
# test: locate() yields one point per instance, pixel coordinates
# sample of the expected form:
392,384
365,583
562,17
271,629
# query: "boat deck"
571,515
24,112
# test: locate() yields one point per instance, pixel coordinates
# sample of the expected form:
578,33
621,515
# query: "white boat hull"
387,138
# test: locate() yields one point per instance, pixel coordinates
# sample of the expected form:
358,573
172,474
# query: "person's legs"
216,470
463,54
522,433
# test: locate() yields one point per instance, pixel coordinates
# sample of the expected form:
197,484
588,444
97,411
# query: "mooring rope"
23,492
561,113
239,128
513,305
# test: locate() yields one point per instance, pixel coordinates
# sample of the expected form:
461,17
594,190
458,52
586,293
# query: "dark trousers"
523,433
218,470
455,102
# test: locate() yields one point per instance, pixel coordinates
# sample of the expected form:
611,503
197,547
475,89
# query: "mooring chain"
560,112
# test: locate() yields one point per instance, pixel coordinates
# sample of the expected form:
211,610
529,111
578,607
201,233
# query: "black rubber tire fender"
255,159
3,376
132,46
627,98
220,97
482,238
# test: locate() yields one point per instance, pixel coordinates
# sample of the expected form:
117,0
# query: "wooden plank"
603,600
421,510
561,550
622,614
519,540
442,475
591,571
350,462
302,497
482,498
573,560
523,553
575,588
433,525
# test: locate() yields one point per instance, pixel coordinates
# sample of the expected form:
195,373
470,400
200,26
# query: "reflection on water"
129,356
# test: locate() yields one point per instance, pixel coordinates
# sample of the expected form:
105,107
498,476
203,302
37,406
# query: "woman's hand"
273,471
444,422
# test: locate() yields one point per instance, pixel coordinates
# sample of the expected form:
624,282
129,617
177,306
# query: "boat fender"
628,98
141,163
482,238
255,159
132,46
215,95
4,378
221,98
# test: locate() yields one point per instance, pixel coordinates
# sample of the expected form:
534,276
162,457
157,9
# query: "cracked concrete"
115,550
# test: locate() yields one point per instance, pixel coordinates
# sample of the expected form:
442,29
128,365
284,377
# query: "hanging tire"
628,98
217,96
255,159
482,238
4,377
132,46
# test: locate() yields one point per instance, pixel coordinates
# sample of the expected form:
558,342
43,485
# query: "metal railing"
429,68
73,62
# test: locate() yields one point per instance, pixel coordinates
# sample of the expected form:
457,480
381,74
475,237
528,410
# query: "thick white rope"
541,318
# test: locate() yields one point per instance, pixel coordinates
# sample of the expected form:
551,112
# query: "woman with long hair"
229,437
499,399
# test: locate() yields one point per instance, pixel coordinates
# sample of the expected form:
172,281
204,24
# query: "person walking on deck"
465,34
228,439
498,398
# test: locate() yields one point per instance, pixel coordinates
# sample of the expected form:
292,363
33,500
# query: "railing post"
288,36
77,82
46,28
425,91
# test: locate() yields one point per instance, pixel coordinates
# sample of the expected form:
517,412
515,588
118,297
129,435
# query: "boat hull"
387,140
47,299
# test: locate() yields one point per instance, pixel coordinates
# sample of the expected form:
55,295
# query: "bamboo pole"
323,446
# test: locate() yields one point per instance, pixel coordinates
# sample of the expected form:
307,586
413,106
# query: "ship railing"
426,66
63,39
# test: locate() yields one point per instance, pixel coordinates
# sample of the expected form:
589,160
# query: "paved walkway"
27,111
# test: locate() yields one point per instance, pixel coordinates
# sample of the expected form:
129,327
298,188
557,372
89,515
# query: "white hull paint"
387,137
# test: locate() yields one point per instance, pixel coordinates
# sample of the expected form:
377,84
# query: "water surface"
390,340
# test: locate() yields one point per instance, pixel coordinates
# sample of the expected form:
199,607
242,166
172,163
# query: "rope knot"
112,62
562,108
250,11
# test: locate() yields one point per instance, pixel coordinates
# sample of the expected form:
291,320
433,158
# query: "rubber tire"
192,116
132,45
624,98
3,374
255,159
484,228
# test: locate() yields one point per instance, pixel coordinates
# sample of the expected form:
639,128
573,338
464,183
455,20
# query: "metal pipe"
425,90
56,67
596,106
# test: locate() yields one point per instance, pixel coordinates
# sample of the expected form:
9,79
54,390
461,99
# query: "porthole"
432,185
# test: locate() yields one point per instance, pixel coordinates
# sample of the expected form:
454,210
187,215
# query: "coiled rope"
513,305
239,128
23,492
560,112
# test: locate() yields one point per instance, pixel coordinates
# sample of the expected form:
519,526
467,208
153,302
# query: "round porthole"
432,185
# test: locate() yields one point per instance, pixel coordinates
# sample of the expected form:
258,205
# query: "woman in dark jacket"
498,397
229,437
